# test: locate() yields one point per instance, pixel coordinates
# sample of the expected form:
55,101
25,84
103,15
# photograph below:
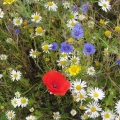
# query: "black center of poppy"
54,85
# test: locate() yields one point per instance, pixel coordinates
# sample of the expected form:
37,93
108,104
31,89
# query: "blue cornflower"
118,61
17,31
66,47
85,7
74,8
77,31
54,46
88,49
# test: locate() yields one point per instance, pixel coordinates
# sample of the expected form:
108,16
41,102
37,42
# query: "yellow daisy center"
50,3
93,109
10,114
15,102
17,21
81,96
74,60
95,94
39,30
81,107
78,87
45,47
63,62
23,100
15,75
33,53
72,24
104,5
55,115
85,116
36,17
106,115
90,70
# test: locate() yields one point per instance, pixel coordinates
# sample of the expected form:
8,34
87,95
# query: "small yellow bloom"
117,28
70,40
108,33
31,30
25,23
47,59
74,69
8,1
97,63
81,107
103,22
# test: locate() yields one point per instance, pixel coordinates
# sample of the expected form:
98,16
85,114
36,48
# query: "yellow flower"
74,69
8,1
117,28
103,22
108,33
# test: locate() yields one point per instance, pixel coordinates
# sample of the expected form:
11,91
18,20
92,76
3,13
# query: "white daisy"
17,94
17,21
62,62
105,4
36,17
84,116
73,16
70,23
46,48
117,107
10,114
3,57
56,115
9,40
96,94
33,53
51,6
91,70
73,112
81,95
93,110
64,55
108,115
66,4
22,101
31,109
39,31
14,102
31,117
106,51
91,24
78,85
1,13
75,60
15,75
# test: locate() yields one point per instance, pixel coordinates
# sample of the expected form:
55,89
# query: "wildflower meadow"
60,60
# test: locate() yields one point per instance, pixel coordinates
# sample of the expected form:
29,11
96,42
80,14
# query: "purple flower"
8,27
74,8
77,31
88,49
66,47
17,31
118,61
54,46
85,7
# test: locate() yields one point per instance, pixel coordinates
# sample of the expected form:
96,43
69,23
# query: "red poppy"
56,82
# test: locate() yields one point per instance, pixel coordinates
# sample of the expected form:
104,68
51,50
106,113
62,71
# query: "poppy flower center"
54,85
